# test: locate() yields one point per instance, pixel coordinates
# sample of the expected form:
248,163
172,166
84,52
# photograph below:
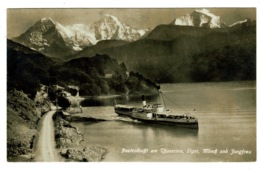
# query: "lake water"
227,126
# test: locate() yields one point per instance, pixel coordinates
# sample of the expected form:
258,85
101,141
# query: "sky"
20,19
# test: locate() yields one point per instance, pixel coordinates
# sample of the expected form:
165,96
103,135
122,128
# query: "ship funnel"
144,102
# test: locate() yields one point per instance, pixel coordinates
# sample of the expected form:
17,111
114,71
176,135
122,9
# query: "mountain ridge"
96,75
169,50
61,42
56,40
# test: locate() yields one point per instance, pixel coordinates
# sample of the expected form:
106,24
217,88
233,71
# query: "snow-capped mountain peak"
46,34
206,12
110,27
106,22
47,20
111,17
42,25
200,18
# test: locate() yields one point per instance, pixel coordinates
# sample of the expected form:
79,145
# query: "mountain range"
56,40
59,41
194,47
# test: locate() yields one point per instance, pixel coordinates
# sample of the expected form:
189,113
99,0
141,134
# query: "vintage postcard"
131,84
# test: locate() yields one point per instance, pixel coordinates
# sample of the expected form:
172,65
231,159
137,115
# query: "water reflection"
159,130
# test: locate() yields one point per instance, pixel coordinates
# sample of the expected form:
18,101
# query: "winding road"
45,147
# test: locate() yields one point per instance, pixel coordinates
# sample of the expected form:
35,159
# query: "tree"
63,102
118,83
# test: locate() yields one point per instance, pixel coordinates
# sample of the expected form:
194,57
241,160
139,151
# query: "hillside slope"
27,69
167,54
23,115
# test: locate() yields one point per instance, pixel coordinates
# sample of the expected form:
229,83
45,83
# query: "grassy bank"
23,115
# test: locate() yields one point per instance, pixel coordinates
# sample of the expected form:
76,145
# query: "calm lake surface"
227,126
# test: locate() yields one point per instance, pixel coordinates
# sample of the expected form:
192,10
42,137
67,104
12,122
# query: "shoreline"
69,138
109,96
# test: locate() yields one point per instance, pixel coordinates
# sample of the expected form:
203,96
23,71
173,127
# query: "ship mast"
161,99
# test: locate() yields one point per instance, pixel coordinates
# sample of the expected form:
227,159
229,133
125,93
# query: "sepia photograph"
131,84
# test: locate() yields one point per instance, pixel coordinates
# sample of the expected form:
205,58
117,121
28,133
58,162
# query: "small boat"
157,114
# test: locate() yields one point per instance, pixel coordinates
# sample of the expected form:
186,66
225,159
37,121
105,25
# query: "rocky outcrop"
87,154
42,100
65,134
68,139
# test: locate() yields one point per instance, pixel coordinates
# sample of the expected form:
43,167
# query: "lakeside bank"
68,139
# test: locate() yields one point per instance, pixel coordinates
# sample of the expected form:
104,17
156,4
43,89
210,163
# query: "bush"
63,102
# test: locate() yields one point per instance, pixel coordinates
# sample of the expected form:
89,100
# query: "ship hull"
191,125
123,113
183,122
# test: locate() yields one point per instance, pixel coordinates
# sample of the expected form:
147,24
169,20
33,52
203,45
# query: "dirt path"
46,150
